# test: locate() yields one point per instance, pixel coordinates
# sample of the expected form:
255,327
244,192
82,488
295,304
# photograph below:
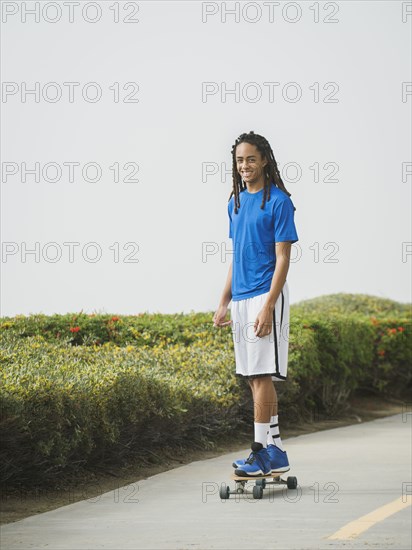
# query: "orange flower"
381,352
401,329
391,330
74,329
115,318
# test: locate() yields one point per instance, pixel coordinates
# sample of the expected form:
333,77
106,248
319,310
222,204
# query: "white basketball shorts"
261,356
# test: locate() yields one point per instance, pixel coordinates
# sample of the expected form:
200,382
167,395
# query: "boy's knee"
262,381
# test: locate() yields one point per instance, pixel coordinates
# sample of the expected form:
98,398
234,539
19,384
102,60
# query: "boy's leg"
281,317
264,397
266,410
274,433
274,411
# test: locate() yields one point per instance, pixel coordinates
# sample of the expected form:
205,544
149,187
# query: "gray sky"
328,89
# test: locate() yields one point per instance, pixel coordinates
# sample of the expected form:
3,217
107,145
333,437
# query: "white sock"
261,432
273,435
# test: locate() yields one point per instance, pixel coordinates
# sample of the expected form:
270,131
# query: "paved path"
343,474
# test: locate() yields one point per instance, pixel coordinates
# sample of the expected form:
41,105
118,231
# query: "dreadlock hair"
271,171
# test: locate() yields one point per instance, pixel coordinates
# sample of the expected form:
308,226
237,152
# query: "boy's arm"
220,315
264,320
227,291
283,250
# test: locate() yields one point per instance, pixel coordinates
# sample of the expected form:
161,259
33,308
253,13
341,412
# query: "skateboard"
260,483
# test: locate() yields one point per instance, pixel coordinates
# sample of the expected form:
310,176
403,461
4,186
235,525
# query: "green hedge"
90,390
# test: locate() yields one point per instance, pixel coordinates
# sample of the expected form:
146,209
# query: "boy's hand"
263,323
220,316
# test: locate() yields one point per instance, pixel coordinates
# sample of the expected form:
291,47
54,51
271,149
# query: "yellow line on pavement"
354,528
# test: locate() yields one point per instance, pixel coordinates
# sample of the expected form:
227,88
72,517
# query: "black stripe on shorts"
275,337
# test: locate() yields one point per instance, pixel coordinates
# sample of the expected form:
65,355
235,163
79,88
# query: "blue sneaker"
278,459
241,461
258,463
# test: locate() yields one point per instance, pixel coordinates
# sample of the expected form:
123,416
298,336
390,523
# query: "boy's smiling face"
250,164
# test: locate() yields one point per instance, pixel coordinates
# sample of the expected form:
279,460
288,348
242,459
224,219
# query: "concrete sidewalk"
343,474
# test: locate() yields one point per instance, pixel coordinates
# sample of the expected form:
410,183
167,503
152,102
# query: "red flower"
115,318
381,352
74,329
401,329
391,330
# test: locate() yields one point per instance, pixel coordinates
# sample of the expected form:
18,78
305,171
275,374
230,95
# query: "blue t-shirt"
254,232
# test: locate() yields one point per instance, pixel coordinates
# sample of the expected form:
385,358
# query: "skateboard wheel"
224,492
258,491
292,482
261,483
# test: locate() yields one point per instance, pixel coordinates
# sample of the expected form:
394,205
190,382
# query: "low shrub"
117,387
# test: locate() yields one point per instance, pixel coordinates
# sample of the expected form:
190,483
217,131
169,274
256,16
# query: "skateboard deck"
251,478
